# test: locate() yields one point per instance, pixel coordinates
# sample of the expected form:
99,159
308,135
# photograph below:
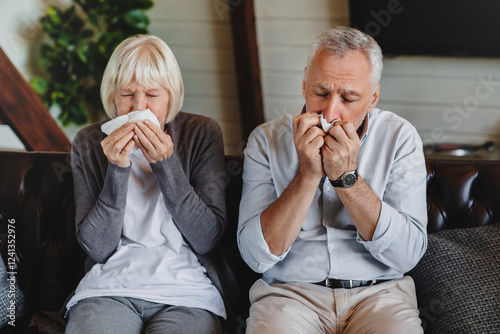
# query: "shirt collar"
365,127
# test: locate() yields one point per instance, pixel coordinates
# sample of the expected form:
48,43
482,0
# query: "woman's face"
133,98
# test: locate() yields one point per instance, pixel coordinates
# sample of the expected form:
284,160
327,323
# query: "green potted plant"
79,42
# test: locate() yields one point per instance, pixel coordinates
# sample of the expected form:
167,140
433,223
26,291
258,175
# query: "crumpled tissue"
131,117
327,125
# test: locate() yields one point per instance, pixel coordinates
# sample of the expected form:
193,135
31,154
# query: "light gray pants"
304,308
120,315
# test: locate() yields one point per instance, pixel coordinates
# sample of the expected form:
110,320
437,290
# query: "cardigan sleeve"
100,207
196,197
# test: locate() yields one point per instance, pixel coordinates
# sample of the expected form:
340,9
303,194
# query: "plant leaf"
39,85
137,19
80,40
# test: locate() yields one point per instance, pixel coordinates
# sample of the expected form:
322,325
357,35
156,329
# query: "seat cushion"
457,281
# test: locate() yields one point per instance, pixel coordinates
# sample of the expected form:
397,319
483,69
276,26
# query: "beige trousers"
304,308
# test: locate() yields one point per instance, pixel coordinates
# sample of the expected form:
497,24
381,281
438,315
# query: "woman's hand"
155,144
118,144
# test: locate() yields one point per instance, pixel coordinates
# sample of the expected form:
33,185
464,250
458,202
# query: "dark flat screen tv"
427,27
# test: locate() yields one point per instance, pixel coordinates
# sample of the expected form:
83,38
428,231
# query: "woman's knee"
107,315
185,320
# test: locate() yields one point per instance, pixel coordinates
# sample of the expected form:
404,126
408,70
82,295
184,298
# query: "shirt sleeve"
400,238
258,194
197,203
99,214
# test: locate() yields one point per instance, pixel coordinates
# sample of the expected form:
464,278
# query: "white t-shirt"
152,262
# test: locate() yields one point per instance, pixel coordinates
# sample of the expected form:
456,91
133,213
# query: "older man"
334,217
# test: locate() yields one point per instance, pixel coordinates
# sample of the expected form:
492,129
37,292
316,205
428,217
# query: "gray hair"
342,40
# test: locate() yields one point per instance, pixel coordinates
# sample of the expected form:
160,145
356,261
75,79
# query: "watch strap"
337,183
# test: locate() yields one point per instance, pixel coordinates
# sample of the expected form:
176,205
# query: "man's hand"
308,139
155,144
117,145
340,152
340,155
281,222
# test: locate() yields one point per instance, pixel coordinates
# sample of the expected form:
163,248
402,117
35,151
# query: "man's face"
340,88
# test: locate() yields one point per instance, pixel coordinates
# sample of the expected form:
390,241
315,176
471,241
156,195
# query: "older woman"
147,217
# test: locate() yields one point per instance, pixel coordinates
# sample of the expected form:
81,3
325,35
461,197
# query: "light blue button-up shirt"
390,161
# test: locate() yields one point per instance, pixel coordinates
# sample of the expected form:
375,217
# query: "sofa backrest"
462,193
36,191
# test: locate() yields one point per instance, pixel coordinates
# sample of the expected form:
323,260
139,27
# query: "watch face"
349,179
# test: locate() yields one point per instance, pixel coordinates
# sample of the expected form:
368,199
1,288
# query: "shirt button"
327,188
331,246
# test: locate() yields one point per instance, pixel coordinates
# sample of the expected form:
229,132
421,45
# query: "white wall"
425,90
198,32
285,30
448,99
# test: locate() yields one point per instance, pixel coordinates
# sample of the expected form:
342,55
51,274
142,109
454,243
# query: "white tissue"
131,117
326,126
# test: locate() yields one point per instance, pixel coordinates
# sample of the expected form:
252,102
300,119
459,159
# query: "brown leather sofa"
36,191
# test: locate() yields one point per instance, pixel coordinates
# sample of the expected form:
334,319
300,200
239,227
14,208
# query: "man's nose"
331,109
140,102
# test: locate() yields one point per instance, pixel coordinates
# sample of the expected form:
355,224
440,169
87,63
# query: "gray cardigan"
192,182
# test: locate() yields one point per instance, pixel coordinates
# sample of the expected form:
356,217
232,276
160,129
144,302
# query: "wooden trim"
24,112
246,59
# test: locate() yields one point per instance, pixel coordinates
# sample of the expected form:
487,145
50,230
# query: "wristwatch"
347,180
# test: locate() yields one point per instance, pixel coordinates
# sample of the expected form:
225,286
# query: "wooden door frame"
246,59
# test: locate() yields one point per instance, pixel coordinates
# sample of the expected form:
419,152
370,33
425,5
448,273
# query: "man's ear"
375,97
304,83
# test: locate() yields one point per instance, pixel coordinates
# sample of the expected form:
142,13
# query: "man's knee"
390,310
282,315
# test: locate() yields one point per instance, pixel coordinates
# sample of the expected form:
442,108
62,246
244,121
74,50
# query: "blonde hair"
149,61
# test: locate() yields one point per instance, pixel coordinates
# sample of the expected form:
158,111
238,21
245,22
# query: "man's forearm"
363,207
282,221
